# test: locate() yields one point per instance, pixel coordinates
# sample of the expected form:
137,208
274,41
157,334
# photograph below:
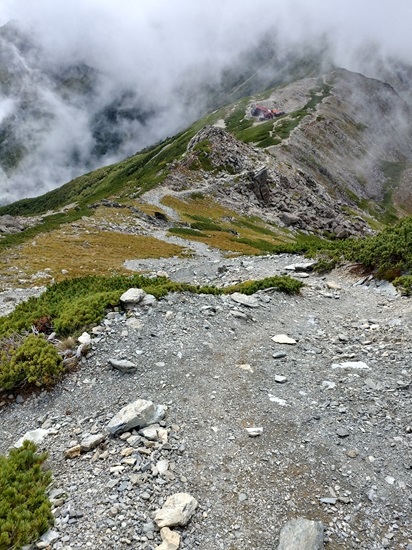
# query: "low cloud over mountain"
89,82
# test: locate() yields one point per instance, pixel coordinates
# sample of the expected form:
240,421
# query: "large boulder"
139,414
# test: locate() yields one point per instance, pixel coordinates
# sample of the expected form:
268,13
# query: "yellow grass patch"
81,252
229,221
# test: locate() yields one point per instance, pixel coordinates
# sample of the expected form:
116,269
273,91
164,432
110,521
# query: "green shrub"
389,253
30,360
85,311
25,511
404,284
282,283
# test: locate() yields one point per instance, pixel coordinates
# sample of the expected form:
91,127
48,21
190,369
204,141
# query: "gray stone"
139,414
47,539
148,300
244,300
289,219
123,365
328,500
91,442
132,297
177,510
279,354
301,534
342,432
134,323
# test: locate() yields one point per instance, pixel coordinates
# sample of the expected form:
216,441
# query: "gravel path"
334,408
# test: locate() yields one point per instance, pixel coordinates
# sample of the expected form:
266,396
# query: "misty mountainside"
325,157
61,119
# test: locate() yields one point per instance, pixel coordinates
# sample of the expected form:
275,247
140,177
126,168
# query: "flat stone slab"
301,534
244,299
123,365
284,339
92,441
357,365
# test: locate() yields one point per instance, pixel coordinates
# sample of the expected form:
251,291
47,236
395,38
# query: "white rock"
277,400
177,510
171,539
359,365
301,267
254,432
162,466
328,385
154,433
246,367
283,339
139,414
245,300
36,436
84,339
132,296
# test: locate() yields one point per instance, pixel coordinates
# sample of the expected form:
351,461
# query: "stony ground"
334,408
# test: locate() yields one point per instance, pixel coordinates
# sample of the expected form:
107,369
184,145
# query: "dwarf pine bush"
30,360
25,511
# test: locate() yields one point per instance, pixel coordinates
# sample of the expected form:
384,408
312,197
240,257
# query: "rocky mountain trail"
258,429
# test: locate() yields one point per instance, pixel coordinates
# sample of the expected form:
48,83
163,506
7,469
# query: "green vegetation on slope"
393,173
25,511
387,254
30,360
271,132
75,304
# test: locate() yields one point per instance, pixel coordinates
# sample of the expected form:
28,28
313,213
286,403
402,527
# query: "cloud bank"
148,68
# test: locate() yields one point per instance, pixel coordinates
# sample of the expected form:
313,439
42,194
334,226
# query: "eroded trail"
334,408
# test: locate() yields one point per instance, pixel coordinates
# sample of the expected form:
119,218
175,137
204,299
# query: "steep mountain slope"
58,120
334,165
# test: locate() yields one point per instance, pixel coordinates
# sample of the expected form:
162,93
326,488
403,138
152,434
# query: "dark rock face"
260,186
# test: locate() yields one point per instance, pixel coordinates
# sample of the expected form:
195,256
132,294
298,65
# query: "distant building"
264,112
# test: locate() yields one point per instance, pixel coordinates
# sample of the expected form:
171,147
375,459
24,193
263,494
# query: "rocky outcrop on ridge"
257,184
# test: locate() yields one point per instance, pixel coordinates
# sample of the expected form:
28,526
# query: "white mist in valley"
86,83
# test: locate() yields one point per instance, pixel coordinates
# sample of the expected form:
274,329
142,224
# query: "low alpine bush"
25,510
28,360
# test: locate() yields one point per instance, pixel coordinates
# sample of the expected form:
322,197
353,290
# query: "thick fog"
148,67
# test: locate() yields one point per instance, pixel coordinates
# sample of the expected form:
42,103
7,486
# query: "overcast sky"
151,45
118,34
